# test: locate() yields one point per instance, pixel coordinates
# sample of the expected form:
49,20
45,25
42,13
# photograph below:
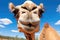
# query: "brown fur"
48,33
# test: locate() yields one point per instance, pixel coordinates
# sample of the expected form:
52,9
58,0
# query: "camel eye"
35,12
23,12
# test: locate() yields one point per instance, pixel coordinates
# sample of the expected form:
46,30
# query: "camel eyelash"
24,8
34,8
29,9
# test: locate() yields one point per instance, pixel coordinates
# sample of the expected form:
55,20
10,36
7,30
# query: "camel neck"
30,36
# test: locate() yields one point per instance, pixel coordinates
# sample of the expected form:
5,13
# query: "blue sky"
51,16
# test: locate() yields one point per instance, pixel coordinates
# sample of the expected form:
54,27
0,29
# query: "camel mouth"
29,26
30,23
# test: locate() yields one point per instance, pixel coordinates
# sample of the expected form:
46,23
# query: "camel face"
28,14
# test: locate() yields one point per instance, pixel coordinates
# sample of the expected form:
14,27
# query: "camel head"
48,33
28,14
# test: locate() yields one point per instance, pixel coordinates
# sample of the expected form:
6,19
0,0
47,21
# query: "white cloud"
2,26
57,23
5,21
58,32
58,8
14,31
37,34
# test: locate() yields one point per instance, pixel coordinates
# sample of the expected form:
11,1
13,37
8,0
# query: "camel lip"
30,25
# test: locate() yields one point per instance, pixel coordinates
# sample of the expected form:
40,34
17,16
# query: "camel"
48,33
28,17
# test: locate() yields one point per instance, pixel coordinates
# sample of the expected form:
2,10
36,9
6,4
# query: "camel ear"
11,7
41,9
41,5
